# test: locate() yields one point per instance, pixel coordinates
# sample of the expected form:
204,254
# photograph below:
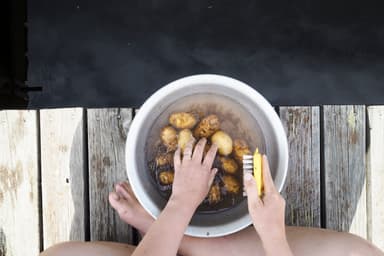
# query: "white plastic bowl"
168,99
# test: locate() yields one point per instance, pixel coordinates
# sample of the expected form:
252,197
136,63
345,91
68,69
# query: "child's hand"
267,212
193,175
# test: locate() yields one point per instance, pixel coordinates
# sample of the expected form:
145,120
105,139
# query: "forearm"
165,234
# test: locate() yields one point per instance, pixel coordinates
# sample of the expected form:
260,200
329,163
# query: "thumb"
251,188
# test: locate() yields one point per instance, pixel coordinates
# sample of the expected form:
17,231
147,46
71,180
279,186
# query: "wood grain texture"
62,174
19,199
107,132
302,187
344,169
375,175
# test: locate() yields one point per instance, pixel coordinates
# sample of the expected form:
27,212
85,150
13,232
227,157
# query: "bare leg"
89,249
303,241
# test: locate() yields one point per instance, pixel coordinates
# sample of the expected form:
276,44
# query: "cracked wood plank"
107,133
302,187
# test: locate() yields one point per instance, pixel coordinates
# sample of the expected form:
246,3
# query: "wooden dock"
57,167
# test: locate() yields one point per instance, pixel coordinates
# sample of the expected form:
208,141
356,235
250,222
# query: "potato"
214,195
208,126
164,159
184,137
169,138
231,184
240,148
166,177
223,142
182,120
228,165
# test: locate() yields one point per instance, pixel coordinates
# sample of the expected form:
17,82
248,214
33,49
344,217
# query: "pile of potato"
182,127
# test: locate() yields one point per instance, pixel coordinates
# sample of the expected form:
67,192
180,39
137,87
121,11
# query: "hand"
267,212
193,175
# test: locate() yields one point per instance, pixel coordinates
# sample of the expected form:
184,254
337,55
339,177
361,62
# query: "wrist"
181,205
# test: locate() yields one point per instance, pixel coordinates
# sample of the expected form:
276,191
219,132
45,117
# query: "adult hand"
267,212
193,175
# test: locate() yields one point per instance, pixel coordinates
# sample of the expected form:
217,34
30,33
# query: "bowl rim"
156,98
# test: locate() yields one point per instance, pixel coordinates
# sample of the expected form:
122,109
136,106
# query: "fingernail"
248,177
115,196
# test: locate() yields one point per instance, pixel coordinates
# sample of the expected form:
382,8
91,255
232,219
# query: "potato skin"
166,177
169,137
208,126
228,165
240,148
182,120
214,195
184,137
164,159
223,142
231,184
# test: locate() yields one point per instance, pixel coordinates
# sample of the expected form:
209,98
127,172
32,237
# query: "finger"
176,159
210,156
126,185
251,189
114,196
187,154
269,185
212,176
122,191
199,150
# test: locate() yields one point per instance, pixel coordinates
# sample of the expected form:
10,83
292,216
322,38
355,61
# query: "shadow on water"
293,52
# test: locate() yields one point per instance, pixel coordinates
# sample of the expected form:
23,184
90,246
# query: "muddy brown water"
234,120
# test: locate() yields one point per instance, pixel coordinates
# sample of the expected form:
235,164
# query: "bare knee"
361,247
60,249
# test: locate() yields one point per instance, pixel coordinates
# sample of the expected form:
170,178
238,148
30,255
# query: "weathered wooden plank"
62,174
344,169
375,175
107,131
302,187
19,199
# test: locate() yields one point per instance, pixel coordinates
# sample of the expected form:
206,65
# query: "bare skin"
268,213
271,239
303,241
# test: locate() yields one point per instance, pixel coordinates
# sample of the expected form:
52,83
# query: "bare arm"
164,236
268,213
193,177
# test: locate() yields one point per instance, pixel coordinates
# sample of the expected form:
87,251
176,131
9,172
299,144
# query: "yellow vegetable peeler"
253,164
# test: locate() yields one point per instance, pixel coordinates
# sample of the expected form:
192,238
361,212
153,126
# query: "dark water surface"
118,52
